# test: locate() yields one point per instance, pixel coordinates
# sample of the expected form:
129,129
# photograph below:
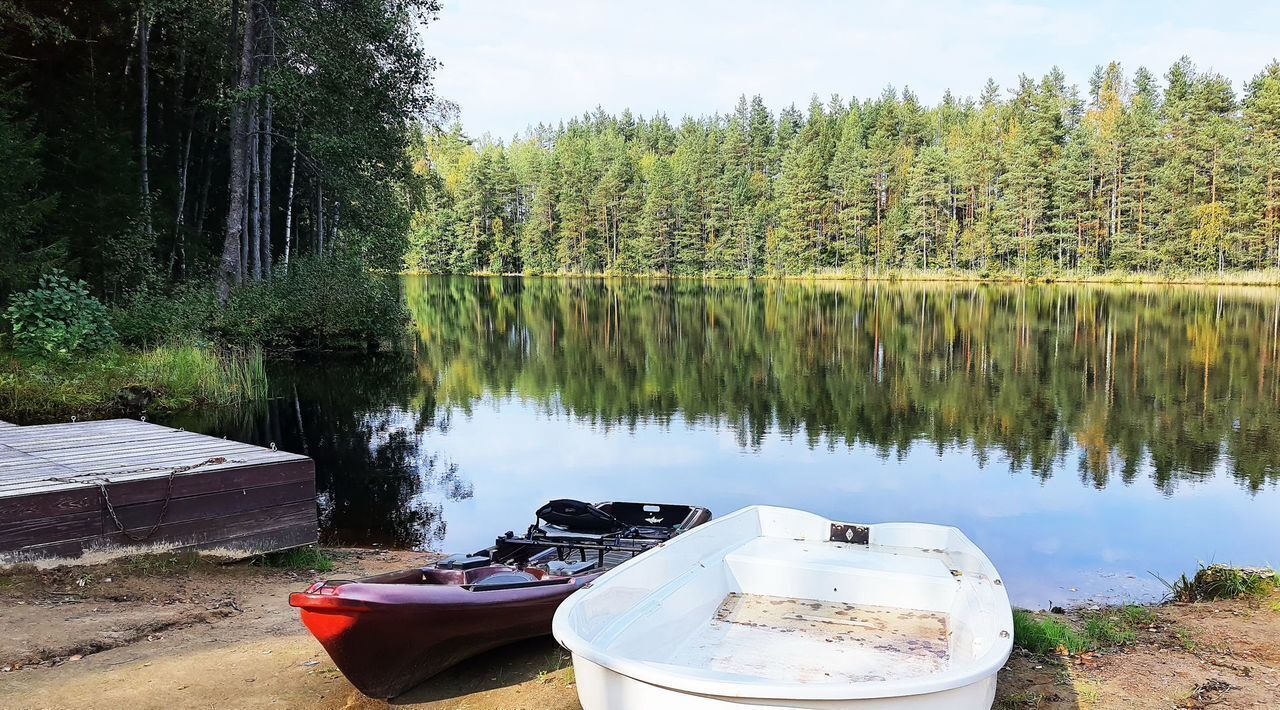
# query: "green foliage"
1215,581
58,318
1047,636
164,379
1109,630
344,83
308,559
1135,615
156,316
320,302
1102,630
24,251
163,564
1040,183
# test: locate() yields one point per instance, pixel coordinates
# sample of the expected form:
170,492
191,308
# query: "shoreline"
144,631
1259,279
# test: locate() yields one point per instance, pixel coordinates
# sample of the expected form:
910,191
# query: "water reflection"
1083,436
1115,378
362,419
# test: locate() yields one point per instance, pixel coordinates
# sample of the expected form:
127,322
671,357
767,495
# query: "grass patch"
161,564
299,558
167,378
1023,699
1135,615
1046,636
1102,630
1088,693
1212,582
1108,631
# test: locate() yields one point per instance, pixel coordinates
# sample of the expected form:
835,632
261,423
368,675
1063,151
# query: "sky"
509,64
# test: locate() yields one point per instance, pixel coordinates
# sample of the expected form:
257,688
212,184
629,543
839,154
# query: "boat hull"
387,639
390,632
776,608
602,689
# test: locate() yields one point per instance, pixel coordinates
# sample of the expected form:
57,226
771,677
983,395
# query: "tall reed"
166,378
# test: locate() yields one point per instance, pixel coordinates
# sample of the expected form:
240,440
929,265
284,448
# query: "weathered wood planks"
223,494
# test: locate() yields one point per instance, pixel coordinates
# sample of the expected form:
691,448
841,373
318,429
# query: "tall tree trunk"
320,217
264,182
144,77
267,141
288,214
229,269
206,168
333,233
178,260
255,195
244,230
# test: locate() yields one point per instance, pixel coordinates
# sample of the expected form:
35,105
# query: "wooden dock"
68,489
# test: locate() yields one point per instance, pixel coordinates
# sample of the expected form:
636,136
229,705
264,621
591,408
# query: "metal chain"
168,495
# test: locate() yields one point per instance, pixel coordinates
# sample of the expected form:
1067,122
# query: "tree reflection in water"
362,418
1111,383
1182,379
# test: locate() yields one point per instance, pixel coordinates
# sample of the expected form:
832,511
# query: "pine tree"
656,243
1038,182
1262,187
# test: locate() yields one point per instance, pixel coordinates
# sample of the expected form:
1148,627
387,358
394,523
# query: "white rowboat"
777,608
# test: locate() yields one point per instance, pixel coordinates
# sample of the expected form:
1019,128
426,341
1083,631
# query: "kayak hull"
390,632
388,638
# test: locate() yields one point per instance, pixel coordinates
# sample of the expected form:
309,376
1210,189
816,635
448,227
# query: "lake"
1084,436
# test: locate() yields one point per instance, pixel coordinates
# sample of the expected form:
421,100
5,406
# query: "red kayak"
390,632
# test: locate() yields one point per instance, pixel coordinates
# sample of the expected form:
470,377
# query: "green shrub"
320,303
331,302
157,317
1216,581
58,317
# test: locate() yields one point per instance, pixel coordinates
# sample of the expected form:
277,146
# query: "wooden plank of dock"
194,490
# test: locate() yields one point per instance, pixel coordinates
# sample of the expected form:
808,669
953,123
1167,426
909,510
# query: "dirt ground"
182,632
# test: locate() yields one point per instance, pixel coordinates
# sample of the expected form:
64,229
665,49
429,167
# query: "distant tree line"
1179,175
146,142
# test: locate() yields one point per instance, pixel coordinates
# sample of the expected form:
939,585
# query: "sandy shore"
192,634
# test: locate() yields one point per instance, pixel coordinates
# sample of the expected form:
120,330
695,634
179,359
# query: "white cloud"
510,63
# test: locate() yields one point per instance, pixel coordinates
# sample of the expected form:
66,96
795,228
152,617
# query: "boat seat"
461,561
568,569
580,517
505,578
855,574
557,532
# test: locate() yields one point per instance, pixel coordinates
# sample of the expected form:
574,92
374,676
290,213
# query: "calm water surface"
1085,437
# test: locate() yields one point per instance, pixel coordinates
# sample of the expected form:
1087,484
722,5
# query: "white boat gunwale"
703,682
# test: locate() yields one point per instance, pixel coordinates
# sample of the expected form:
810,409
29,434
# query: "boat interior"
569,539
769,601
